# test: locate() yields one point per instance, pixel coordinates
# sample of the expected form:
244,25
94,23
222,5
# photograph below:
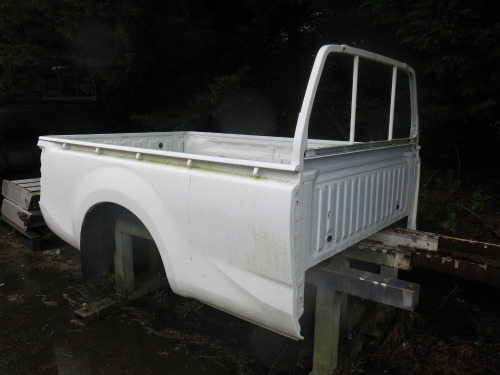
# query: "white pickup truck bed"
237,219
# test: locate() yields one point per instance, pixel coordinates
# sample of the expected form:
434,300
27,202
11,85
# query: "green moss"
179,165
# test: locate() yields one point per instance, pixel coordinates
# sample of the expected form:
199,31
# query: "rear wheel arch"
97,238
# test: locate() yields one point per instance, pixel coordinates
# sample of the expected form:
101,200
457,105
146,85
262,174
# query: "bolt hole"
160,145
397,206
329,238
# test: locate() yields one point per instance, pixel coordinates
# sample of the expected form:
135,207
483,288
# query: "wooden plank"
383,255
31,186
22,218
407,238
98,308
24,193
26,180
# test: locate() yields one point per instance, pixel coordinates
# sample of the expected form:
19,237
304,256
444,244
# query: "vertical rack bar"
393,101
355,70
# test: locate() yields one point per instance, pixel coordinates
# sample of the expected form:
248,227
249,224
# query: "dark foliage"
213,64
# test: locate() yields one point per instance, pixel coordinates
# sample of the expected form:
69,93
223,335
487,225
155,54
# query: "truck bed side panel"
224,238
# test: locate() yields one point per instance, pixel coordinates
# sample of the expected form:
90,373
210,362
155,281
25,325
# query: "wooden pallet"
32,238
24,219
24,193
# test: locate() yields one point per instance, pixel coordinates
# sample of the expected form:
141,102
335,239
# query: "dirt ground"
456,329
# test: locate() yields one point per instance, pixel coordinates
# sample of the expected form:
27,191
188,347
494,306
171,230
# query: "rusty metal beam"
487,250
480,272
404,249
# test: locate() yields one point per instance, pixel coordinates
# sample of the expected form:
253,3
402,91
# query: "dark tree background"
172,64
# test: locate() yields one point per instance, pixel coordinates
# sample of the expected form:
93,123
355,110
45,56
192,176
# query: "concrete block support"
329,304
124,257
124,264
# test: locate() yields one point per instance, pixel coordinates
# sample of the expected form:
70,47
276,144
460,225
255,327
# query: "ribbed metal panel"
348,208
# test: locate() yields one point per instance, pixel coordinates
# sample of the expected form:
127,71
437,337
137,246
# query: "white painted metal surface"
239,219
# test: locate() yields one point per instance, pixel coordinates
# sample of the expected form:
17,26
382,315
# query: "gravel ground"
456,329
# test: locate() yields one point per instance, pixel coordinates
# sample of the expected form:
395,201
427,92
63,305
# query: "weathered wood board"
23,193
20,217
